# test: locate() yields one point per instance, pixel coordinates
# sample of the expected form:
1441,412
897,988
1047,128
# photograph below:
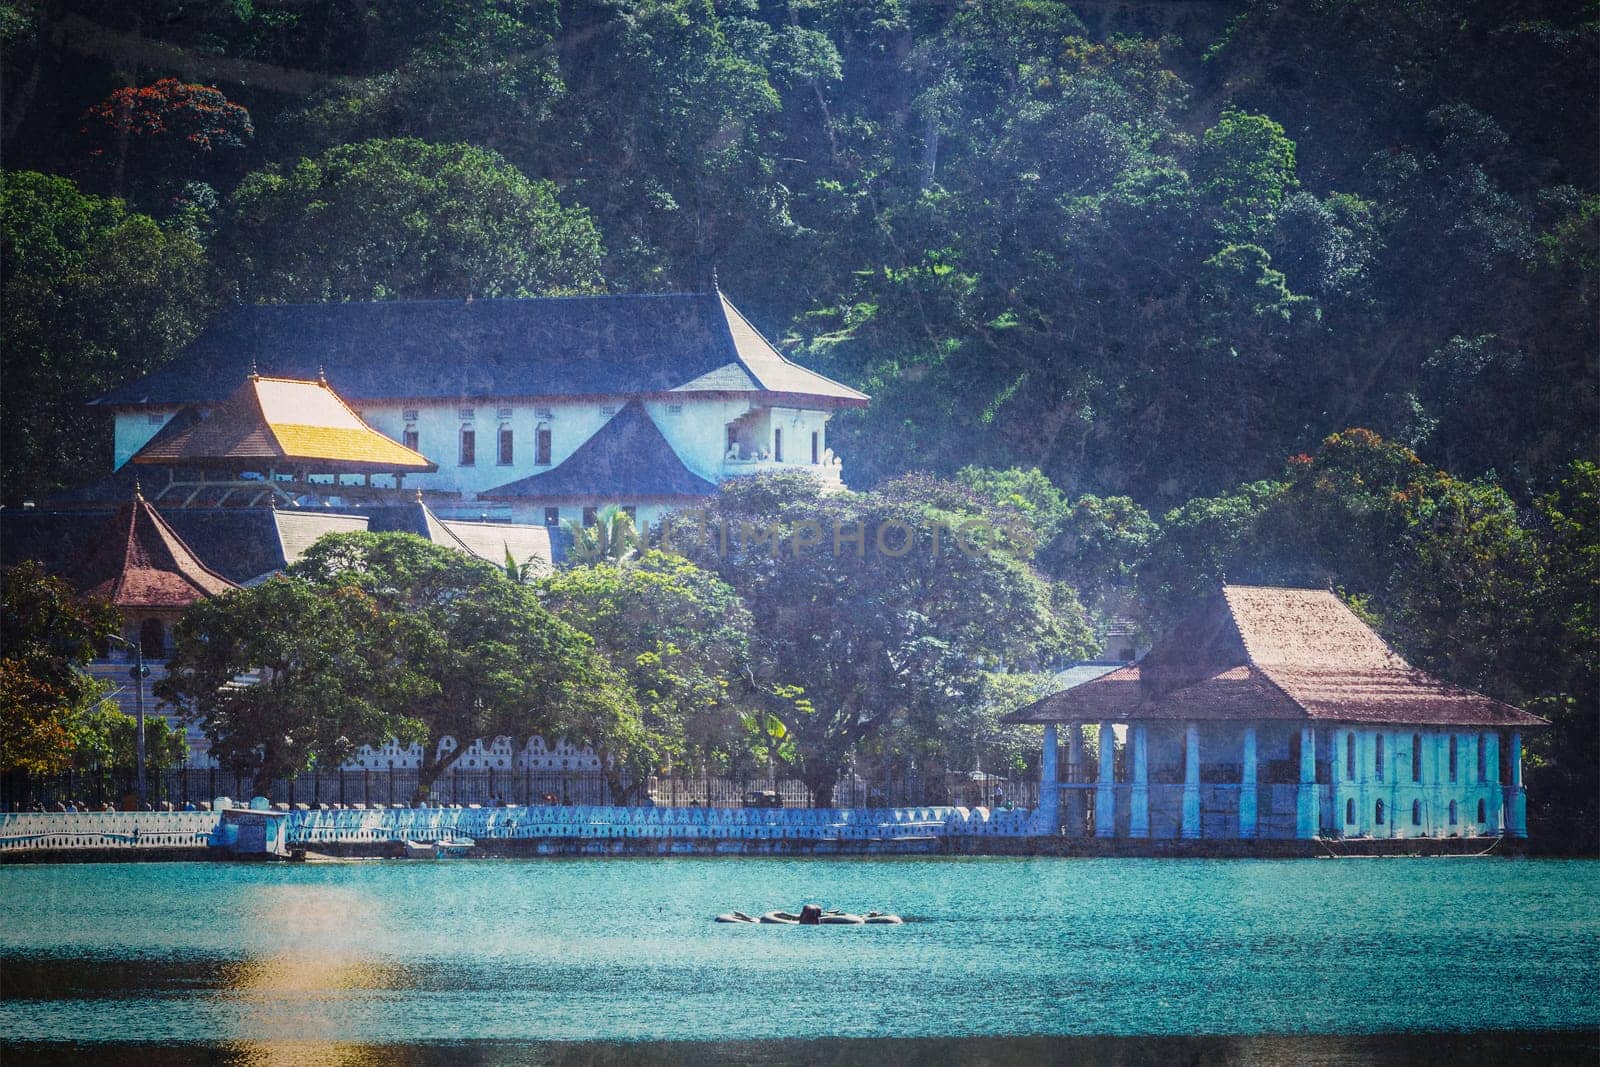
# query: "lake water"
270,958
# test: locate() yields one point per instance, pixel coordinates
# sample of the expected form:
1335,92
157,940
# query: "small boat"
781,918
735,917
417,850
454,847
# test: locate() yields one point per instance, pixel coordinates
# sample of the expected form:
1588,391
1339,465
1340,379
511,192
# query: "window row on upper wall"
1351,759
505,445
1380,812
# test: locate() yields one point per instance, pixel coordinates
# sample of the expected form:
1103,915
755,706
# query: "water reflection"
294,1004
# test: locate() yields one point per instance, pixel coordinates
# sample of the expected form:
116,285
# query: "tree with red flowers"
144,143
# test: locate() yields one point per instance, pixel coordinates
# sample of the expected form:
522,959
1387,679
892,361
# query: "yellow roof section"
288,420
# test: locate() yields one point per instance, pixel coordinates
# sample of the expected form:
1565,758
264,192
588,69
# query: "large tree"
880,608
484,656
93,295
403,218
679,634
46,698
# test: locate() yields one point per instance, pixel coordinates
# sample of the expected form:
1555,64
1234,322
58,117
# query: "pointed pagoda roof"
137,560
650,344
1256,652
626,459
285,422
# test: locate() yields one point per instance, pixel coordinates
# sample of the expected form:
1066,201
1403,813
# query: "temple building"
533,411
1277,713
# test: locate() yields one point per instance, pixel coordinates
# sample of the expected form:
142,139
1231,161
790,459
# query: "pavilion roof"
626,459
1254,652
137,560
283,422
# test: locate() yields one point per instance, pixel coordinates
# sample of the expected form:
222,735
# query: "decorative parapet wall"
35,831
50,831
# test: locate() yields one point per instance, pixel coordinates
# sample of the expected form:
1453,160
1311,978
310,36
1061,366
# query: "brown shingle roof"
289,422
1253,652
136,560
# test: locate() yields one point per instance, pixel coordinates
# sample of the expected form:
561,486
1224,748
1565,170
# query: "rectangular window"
466,413
502,413
589,516
674,409
552,516
1416,757
1483,758
1377,758
608,409
469,447
777,445
410,415
157,420
543,413
506,446
1453,760
541,446
409,439
816,448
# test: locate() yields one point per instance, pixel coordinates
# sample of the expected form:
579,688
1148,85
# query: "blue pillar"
1139,794
1105,793
1191,780
1073,802
1305,826
1516,799
1247,786
1047,816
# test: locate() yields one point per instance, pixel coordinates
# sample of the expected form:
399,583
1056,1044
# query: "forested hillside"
1139,270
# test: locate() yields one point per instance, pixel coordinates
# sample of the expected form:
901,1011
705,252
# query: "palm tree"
612,538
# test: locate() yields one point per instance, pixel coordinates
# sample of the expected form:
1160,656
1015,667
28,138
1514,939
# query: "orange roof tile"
292,422
137,560
1253,652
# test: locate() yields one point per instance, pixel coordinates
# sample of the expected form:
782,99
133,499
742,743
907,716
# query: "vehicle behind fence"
472,786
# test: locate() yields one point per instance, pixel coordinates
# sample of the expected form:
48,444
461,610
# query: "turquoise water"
624,950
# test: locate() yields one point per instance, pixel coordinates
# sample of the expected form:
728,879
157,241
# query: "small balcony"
827,472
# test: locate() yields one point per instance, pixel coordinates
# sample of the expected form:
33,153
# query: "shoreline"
1442,1047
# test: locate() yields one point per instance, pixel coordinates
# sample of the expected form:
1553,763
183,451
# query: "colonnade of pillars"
1307,796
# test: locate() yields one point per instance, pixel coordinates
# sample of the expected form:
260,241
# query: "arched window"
153,639
469,446
1416,813
816,448
1377,760
1483,757
777,445
541,445
1453,760
1350,757
1483,810
409,438
1377,814
1416,757
507,446
1350,811
1455,814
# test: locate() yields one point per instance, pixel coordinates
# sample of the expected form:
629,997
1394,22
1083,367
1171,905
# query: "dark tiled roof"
626,459
563,346
1262,653
136,560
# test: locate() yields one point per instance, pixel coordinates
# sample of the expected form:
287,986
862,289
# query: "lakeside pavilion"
1278,713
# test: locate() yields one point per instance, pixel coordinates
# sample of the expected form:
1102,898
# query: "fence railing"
179,786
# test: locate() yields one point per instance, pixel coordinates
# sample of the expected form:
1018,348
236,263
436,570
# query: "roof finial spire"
254,372
419,494
322,372
715,288
138,494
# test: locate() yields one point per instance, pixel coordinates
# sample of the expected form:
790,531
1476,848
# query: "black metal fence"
179,786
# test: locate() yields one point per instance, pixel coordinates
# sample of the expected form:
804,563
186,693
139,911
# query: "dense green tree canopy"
403,218
47,702
92,295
